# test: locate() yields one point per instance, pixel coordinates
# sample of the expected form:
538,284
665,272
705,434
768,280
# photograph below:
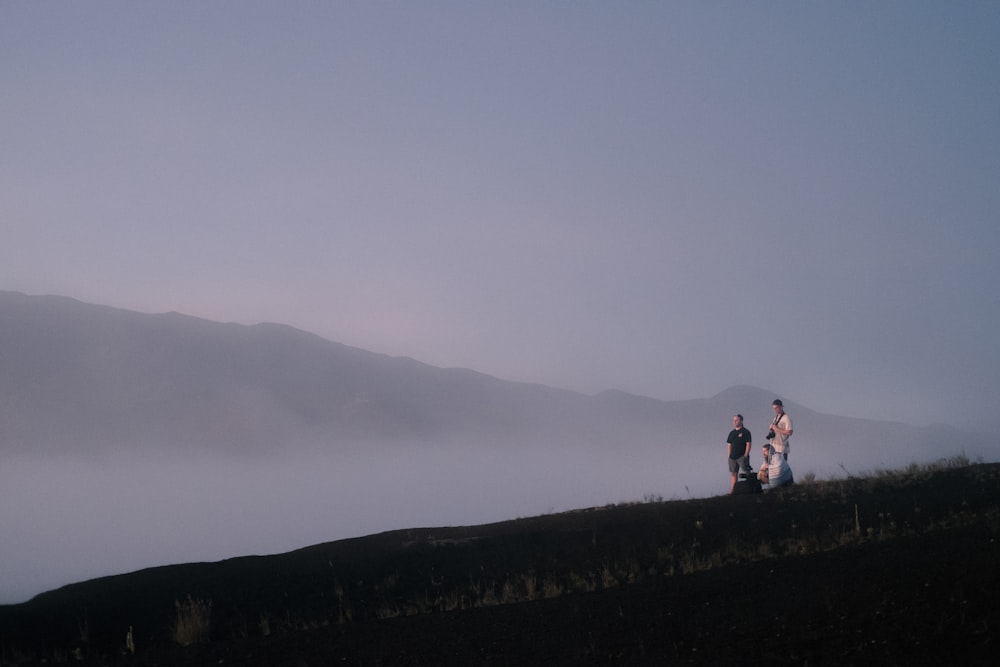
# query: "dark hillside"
888,569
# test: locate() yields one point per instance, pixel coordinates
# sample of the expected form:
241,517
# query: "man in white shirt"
782,428
774,472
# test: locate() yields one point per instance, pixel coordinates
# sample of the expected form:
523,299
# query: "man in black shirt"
739,450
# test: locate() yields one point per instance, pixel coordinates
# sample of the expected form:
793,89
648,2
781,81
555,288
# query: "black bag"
747,483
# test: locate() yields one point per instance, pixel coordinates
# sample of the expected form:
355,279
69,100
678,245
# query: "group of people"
774,471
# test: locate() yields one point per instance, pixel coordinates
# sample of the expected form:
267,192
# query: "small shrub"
509,595
551,588
264,625
628,571
607,578
530,586
488,598
193,622
581,584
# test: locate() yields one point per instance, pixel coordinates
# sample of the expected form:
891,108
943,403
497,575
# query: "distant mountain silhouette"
81,376
82,379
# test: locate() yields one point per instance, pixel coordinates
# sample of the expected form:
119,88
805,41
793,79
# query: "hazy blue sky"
667,198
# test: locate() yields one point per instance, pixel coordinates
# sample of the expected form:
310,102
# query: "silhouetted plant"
193,621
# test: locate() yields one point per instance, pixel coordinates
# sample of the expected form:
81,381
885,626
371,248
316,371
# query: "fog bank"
67,521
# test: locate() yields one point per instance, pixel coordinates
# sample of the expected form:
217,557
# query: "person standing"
739,450
781,428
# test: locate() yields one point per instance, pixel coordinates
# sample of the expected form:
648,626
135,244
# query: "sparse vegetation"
675,559
586,552
193,621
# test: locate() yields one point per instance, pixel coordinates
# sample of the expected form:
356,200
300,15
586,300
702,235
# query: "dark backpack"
747,483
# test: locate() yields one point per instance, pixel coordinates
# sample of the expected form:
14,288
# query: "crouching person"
775,471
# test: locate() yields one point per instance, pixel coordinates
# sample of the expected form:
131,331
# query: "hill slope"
882,569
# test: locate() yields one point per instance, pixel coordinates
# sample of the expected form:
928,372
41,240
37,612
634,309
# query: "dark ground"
890,569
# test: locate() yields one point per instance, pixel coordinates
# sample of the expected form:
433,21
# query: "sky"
665,198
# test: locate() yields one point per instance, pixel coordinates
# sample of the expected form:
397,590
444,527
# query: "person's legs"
779,482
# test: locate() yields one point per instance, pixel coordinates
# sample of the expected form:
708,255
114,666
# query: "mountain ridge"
97,376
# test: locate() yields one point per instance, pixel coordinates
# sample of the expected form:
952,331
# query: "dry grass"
193,621
690,557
